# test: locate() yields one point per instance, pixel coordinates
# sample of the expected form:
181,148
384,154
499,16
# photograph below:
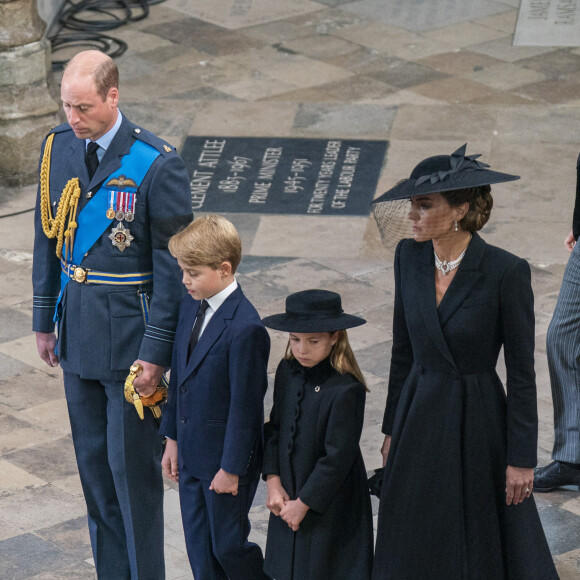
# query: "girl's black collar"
319,373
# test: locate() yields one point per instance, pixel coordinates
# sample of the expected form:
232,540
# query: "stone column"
28,103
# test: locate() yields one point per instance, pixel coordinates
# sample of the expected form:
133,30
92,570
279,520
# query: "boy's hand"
224,482
277,496
169,460
293,513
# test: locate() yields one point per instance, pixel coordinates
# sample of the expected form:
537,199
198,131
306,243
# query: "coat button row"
183,389
183,420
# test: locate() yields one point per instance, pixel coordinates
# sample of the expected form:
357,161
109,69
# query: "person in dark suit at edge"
111,194
562,342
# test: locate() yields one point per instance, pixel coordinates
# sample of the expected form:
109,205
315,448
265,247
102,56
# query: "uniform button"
316,389
89,195
183,420
183,389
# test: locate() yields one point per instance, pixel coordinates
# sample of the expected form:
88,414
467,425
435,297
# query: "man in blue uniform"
111,195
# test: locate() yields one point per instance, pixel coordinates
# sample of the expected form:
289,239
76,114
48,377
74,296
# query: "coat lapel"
465,278
423,284
218,323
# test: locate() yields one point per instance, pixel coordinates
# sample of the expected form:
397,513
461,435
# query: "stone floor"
426,76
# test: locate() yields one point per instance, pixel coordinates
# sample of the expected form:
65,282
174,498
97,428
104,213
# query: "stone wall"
28,105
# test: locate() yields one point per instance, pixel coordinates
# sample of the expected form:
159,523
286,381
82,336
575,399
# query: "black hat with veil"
438,174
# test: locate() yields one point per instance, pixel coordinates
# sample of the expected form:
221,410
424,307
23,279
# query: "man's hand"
570,242
146,383
293,513
169,461
277,496
224,482
46,345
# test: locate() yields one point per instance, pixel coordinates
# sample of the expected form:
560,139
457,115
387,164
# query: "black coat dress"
442,513
312,443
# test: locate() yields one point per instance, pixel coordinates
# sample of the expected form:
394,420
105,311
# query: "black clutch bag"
375,481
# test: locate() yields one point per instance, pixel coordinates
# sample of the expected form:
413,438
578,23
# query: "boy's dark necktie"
91,158
196,330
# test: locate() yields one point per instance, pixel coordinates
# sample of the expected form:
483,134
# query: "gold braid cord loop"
54,227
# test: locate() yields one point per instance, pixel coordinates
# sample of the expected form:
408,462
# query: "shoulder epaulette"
147,137
59,129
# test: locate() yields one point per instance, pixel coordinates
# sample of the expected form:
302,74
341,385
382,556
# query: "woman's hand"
519,482
385,448
293,513
276,497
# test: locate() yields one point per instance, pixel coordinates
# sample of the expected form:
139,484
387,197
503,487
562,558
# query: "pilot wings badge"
121,182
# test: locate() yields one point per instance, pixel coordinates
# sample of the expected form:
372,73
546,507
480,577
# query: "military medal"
121,237
111,212
130,213
120,214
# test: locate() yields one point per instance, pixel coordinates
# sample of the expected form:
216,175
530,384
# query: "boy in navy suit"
214,415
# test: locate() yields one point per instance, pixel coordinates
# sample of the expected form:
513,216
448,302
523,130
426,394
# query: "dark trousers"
216,530
118,457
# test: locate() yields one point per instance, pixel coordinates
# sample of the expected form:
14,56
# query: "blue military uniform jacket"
102,328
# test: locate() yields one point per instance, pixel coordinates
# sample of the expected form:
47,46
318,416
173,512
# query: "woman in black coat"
456,496
321,521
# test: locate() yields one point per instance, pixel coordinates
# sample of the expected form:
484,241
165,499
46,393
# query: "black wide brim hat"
445,173
313,311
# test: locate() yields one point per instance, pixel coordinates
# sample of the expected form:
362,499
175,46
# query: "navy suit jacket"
102,329
215,407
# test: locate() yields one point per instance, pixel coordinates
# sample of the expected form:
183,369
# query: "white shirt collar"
218,299
105,140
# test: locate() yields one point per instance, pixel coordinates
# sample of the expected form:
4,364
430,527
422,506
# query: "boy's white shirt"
216,301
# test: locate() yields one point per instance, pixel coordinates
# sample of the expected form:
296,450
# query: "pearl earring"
456,225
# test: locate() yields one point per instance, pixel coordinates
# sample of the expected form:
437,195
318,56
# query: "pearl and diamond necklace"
444,266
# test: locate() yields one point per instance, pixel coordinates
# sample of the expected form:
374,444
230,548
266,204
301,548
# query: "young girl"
321,522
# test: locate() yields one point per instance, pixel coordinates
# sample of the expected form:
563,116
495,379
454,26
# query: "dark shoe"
555,475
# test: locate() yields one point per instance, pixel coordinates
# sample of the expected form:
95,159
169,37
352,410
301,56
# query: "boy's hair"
208,240
341,358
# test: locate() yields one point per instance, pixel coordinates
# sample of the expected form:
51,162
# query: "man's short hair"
208,240
106,77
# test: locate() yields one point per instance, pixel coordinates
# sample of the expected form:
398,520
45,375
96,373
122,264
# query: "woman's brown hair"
480,204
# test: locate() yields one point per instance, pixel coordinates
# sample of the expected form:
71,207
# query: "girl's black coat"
312,443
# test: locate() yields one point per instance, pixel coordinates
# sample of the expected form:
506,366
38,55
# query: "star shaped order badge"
121,237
